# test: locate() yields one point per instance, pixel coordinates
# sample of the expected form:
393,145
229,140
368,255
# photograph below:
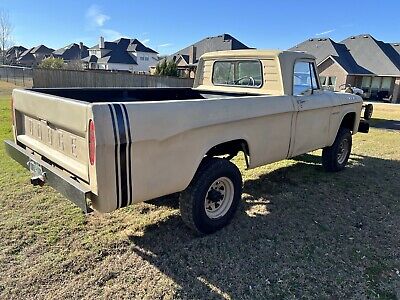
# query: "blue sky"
168,26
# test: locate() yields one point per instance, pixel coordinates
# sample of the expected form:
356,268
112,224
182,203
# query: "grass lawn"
299,232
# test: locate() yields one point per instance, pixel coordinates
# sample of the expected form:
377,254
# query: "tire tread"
187,198
329,159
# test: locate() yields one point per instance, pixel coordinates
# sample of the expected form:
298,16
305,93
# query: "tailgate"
55,128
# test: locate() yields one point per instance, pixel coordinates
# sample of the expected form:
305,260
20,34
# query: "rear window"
241,73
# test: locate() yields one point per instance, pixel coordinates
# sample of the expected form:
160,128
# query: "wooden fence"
43,78
16,75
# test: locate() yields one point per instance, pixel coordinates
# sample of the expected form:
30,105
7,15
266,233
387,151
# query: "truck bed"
53,122
98,95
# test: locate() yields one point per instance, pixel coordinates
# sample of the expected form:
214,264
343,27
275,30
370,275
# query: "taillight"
92,143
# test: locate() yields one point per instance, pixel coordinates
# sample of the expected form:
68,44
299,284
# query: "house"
396,46
13,53
360,61
72,52
33,56
187,58
122,55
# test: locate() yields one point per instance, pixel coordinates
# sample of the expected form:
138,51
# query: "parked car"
347,88
107,148
368,108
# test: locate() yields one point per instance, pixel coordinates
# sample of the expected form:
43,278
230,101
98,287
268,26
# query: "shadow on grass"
386,124
299,232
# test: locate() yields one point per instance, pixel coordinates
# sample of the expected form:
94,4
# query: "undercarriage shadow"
387,124
293,225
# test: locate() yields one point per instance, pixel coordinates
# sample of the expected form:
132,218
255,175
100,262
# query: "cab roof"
255,53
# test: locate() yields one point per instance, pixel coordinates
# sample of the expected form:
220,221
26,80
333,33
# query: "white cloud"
96,17
325,32
165,45
145,42
111,35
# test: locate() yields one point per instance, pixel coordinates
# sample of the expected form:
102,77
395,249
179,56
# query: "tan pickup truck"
107,148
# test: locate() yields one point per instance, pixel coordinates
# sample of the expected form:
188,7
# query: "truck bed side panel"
169,140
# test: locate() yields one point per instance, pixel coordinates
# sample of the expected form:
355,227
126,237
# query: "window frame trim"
310,62
235,67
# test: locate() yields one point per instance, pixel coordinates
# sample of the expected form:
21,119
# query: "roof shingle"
322,48
71,52
124,44
375,56
360,55
215,43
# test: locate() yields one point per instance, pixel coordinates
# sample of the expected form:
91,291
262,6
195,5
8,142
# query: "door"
314,109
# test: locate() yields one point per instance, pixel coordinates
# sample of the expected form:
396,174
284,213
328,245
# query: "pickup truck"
107,148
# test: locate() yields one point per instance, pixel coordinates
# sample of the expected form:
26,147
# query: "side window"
304,78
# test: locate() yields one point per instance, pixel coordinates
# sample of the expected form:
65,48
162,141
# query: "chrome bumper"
67,186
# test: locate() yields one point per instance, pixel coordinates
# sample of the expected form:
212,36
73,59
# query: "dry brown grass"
299,233
6,88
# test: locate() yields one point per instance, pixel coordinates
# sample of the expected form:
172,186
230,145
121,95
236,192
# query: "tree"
167,68
5,33
52,63
75,64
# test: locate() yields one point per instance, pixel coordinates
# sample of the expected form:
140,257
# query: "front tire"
335,157
210,201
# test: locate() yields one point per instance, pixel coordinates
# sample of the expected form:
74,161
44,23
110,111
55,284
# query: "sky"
168,26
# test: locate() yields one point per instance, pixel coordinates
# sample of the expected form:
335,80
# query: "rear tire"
335,157
210,201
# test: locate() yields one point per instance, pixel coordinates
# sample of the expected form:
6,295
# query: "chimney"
192,54
101,44
80,50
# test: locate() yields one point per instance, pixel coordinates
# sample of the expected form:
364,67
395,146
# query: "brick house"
360,61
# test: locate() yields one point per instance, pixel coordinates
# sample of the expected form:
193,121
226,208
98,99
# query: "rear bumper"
67,186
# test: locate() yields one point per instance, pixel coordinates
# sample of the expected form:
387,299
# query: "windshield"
243,73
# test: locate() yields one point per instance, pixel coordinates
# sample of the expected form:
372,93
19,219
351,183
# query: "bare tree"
5,33
75,64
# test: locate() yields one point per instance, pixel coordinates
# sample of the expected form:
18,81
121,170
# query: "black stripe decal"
122,154
128,126
117,169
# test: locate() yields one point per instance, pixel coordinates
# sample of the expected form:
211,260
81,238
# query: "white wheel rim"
343,151
219,198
